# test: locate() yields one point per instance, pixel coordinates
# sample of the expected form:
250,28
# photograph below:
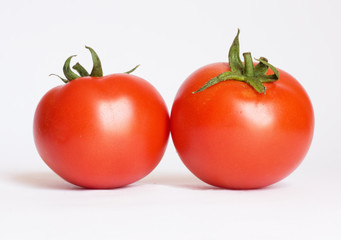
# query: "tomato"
230,135
102,132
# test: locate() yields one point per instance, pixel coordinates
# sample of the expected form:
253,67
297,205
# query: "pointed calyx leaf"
97,66
63,79
269,78
261,68
236,64
132,70
70,75
255,76
221,77
81,70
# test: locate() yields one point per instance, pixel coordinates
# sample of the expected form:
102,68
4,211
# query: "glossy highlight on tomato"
232,136
102,132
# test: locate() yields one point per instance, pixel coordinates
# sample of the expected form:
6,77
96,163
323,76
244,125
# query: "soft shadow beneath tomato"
46,180
190,182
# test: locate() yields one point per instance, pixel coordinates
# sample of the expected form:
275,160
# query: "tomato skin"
230,136
102,132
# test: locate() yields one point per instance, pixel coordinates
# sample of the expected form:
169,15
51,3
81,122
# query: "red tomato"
102,132
231,136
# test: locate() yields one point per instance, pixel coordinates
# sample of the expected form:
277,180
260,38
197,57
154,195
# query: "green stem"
248,70
255,76
95,72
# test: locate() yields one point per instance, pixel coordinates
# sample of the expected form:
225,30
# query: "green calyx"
95,72
255,76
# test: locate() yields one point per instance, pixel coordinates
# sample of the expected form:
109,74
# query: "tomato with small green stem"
101,131
239,125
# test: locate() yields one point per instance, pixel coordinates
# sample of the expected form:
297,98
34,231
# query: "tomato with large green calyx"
101,131
241,125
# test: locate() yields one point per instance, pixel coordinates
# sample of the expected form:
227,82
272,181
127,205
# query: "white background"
170,39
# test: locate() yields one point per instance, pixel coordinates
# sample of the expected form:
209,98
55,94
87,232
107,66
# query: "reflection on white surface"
116,113
258,114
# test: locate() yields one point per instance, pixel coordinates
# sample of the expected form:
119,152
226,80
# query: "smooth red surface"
230,136
102,132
